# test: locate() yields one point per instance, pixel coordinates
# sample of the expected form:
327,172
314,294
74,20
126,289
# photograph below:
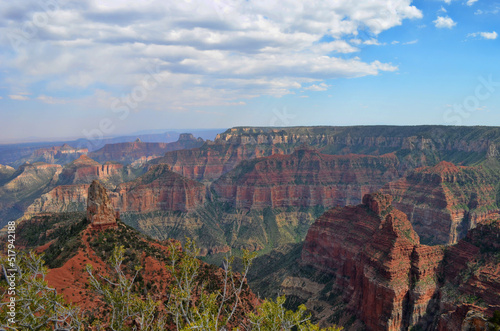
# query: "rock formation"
55,155
6,172
445,201
130,152
159,189
26,184
100,211
415,146
61,199
387,279
305,178
471,271
84,170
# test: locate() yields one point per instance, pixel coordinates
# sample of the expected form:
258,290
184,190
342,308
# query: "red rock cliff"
64,198
84,170
305,178
445,201
388,278
159,189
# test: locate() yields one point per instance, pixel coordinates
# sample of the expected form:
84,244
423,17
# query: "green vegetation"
494,324
37,306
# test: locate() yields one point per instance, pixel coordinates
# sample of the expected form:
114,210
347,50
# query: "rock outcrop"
388,277
388,280
84,170
445,201
305,178
100,211
454,143
61,199
209,162
159,189
27,183
132,152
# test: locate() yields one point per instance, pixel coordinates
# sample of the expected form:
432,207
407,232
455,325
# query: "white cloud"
319,87
447,1
50,100
444,22
207,52
484,35
471,2
18,97
373,41
411,42
395,42
442,9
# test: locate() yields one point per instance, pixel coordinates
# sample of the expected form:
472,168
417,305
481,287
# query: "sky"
95,68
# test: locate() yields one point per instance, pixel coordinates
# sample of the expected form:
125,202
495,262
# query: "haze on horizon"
77,68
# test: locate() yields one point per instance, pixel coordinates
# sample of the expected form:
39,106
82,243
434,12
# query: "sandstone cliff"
305,178
459,144
27,183
388,278
84,170
445,201
366,261
159,189
470,291
414,146
63,198
210,161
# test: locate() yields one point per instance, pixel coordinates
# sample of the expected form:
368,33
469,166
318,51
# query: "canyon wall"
389,281
445,201
305,178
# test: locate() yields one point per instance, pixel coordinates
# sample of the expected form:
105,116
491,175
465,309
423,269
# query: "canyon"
421,252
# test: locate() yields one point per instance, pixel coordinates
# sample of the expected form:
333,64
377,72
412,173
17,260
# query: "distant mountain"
54,155
10,153
139,152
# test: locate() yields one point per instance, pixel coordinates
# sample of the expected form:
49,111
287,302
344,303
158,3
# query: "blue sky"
83,68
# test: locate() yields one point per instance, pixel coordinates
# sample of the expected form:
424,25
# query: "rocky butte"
100,211
388,280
